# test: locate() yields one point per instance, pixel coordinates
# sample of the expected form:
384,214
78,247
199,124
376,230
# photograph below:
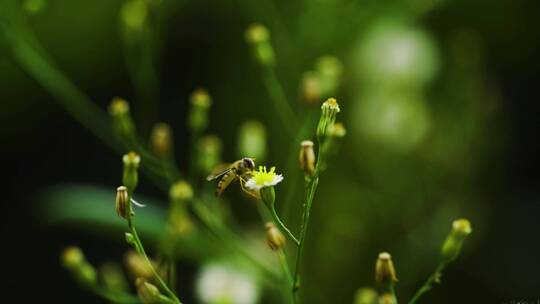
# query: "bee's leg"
250,192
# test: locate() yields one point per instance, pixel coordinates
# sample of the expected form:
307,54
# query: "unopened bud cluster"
329,110
385,272
258,37
122,121
452,245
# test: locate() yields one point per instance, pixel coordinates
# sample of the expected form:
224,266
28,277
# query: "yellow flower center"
262,176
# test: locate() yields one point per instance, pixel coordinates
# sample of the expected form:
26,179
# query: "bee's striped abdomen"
225,181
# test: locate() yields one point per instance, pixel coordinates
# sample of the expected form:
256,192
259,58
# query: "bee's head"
248,163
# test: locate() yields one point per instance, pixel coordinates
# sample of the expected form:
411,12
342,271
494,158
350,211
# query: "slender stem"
279,99
286,271
276,218
142,252
428,285
113,296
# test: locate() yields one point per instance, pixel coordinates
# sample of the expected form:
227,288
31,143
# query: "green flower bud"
307,157
161,140
181,191
130,239
275,239
209,151
310,87
258,37
385,272
337,130
330,70
122,204
199,111
147,292
113,277
130,177
366,296
73,259
134,14
137,265
122,121
387,298
252,140
329,110
452,245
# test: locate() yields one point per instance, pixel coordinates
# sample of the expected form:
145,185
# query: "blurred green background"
439,99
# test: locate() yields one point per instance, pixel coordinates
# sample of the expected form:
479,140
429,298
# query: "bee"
239,170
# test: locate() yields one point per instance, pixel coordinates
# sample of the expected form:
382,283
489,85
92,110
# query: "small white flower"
263,178
222,284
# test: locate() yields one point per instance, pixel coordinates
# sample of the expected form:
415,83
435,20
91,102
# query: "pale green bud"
73,259
258,37
147,292
181,191
122,121
385,272
252,140
330,70
199,111
209,151
161,140
134,14
112,277
366,296
275,239
130,176
137,265
452,245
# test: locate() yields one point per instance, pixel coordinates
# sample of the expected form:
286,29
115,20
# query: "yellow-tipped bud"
310,87
209,151
275,239
258,37
452,245
147,292
198,114
73,259
122,205
122,121
181,191
307,157
337,130
385,272
329,110
137,265
387,298
366,296
161,140
130,177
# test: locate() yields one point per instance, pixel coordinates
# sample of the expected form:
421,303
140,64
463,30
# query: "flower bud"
209,151
452,245
384,269
329,69
130,239
337,130
365,296
73,259
137,266
252,140
113,277
275,239
130,177
258,37
329,110
122,121
147,292
161,140
310,87
307,157
387,298
198,115
181,191
122,205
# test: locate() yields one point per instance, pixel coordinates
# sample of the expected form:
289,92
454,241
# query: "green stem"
276,218
142,252
114,297
428,285
279,100
286,271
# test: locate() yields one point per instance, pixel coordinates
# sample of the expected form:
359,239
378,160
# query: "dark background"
203,46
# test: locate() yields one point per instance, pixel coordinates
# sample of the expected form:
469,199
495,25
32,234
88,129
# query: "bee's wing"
219,171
